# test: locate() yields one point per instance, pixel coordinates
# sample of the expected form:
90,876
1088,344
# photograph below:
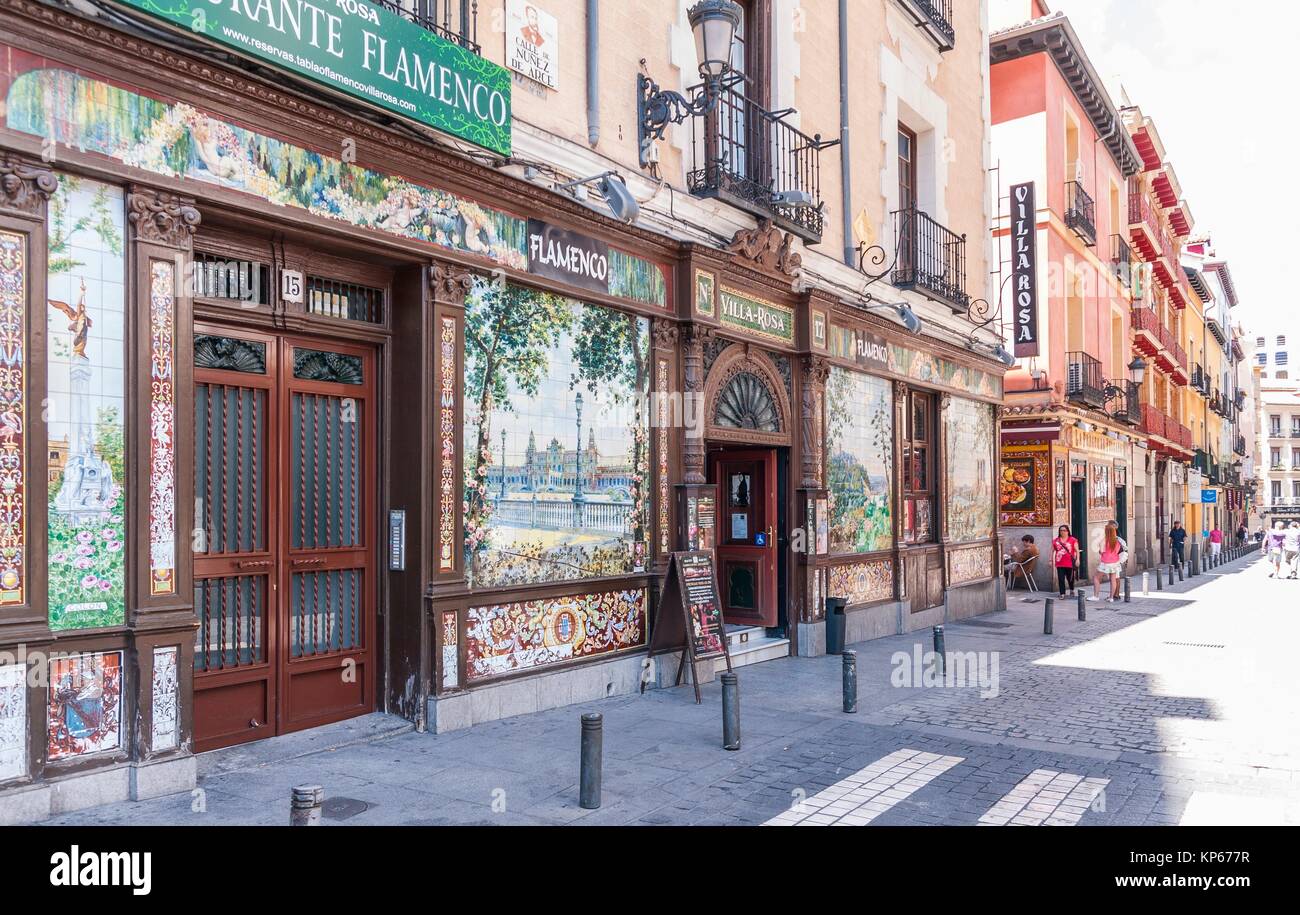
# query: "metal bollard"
730,711
1180,572
850,672
1146,583
591,760
1047,617
1126,589
1194,562
1083,610
939,650
304,809
1160,585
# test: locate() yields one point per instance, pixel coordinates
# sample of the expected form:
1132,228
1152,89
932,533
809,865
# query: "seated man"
1027,554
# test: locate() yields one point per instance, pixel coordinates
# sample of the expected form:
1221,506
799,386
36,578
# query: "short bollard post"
591,760
730,711
850,667
1194,563
1127,595
1146,583
304,809
939,650
1160,585
1083,609
1047,617
1180,572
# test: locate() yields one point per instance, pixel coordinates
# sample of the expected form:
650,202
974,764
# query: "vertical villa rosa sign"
364,51
1024,268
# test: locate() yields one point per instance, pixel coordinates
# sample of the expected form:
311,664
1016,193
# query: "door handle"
308,562
253,564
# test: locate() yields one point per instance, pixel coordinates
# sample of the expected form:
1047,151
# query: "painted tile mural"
860,439
13,721
973,564
177,140
85,713
13,417
556,438
1024,488
968,427
166,720
86,356
504,638
861,582
162,429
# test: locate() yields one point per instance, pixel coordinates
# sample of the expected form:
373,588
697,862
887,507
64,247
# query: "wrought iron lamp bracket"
656,108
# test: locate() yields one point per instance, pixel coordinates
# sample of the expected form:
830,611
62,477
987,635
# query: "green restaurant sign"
756,316
362,50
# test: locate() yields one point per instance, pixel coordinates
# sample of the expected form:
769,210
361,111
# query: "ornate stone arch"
745,399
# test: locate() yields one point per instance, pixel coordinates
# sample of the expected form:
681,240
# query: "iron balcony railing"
455,21
1080,212
1121,259
751,158
1124,404
1083,381
931,259
1239,446
935,18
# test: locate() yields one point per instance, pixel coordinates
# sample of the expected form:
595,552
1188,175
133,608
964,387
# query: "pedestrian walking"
1177,538
1216,542
1114,553
1291,549
1065,557
1242,533
1274,545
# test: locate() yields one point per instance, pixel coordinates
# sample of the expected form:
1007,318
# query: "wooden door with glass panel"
746,548
284,578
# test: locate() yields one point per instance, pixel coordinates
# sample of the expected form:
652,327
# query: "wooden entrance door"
746,550
284,560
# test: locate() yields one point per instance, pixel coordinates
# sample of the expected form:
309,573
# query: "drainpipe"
593,72
846,160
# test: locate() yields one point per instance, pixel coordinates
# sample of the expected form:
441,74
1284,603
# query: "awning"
1030,431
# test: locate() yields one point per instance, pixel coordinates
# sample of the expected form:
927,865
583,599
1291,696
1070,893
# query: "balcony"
425,15
1124,404
1121,260
1239,446
1142,222
1083,382
1200,381
1168,436
751,158
931,259
1080,213
934,17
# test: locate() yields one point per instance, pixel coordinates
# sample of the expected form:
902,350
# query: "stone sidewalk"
1176,707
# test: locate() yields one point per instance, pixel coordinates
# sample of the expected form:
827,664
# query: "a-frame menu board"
690,616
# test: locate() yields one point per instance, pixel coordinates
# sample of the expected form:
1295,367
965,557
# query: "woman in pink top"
1065,557
1216,541
1113,553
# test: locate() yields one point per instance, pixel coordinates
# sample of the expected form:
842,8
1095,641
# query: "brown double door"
284,569
746,550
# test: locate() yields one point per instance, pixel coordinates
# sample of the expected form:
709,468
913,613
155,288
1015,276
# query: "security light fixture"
908,318
714,24
1137,370
611,187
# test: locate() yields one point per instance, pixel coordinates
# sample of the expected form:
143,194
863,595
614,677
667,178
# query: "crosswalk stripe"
1045,797
869,792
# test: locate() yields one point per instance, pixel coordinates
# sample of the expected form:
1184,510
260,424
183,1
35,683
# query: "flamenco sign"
364,51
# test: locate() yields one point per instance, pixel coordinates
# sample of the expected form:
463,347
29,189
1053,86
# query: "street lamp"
1137,370
714,24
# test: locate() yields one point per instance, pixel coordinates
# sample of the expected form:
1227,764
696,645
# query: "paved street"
1178,707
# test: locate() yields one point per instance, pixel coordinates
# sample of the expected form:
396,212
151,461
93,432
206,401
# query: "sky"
1218,81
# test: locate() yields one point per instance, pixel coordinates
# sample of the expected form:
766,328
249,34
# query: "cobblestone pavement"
1178,707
